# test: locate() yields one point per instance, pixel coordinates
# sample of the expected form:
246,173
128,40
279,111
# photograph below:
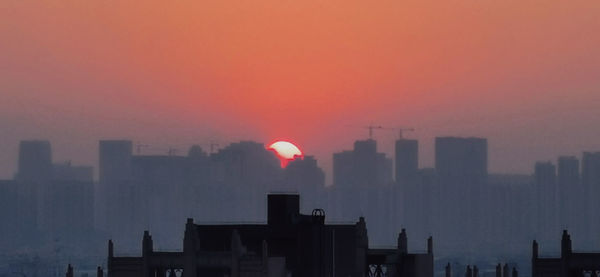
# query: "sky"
524,74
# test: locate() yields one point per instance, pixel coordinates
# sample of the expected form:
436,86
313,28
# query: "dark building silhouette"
67,210
363,186
114,189
290,244
362,167
590,178
407,161
570,195
546,194
399,262
308,179
461,167
18,213
115,161
568,264
343,167
418,204
68,172
35,161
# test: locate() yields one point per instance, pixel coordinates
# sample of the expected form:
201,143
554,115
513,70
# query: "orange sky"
525,74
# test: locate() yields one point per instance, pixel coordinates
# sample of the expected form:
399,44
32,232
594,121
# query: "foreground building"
290,244
569,264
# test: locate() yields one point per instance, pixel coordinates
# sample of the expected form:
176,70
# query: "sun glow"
286,151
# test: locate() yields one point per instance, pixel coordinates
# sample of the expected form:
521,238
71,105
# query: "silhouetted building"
115,161
18,213
418,204
568,264
398,262
290,244
67,210
590,178
68,172
461,167
115,190
35,161
307,178
362,167
248,170
546,197
570,195
343,167
407,161
363,186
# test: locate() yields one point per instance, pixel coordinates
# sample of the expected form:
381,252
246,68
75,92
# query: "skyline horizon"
141,148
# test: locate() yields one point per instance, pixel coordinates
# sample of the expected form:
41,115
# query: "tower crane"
401,131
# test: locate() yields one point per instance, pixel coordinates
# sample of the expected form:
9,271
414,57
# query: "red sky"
524,74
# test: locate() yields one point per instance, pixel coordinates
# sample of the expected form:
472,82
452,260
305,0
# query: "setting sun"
286,151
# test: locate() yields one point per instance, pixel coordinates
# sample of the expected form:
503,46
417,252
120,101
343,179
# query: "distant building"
570,195
362,167
343,166
308,179
546,198
461,166
67,210
68,172
35,161
590,180
363,186
407,161
18,213
115,161
568,264
290,244
114,190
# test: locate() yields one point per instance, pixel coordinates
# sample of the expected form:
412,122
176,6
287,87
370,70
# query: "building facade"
289,244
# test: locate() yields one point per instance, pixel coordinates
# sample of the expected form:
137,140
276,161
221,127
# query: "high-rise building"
114,191
546,194
463,160
35,161
18,213
569,194
115,161
407,161
343,168
461,166
363,166
307,178
590,179
68,172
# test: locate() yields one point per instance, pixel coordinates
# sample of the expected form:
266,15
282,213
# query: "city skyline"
522,74
284,138
143,149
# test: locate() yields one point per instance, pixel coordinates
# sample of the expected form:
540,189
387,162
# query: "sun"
286,151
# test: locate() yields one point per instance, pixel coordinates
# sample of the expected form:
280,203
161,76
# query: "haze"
524,74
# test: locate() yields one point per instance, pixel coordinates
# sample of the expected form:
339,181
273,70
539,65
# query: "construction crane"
371,127
402,130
